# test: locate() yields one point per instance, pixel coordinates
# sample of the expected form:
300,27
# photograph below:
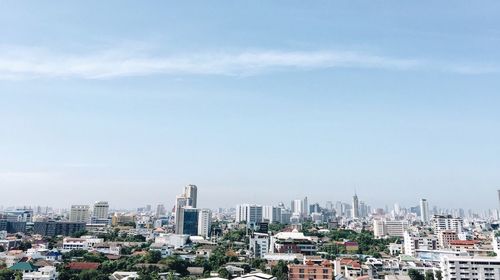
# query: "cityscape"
249,140
297,240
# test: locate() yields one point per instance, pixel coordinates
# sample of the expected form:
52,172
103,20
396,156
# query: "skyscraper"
424,210
355,207
498,191
191,193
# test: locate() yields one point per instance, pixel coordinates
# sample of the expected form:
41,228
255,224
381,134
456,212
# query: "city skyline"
253,104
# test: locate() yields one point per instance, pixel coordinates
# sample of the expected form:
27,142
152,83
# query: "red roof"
464,242
83,265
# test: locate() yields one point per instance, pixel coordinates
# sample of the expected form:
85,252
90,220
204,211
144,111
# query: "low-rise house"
44,273
83,266
124,275
163,248
24,267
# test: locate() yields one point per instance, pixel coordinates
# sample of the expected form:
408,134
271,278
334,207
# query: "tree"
439,275
280,271
92,275
153,256
415,274
223,273
429,275
6,274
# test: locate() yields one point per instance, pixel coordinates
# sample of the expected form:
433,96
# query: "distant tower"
424,210
498,197
191,193
355,206
100,210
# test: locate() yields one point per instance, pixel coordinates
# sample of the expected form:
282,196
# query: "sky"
253,101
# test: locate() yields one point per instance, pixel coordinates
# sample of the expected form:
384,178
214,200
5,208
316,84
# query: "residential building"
79,214
468,268
292,243
444,238
259,244
43,273
383,228
249,213
446,223
204,222
414,242
311,271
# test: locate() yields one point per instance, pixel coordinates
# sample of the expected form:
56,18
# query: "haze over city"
127,103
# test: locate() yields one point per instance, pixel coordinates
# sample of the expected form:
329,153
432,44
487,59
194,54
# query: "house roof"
23,266
83,265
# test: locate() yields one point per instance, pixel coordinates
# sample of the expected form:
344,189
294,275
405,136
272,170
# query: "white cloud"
28,63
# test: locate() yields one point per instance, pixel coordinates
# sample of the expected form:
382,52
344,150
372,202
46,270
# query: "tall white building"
259,244
297,207
204,222
100,210
414,242
249,213
446,223
424,210
383,228
271,213
79,213
355,207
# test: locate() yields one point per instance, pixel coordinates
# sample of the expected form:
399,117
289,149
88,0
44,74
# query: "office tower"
204,222
54,228
191,193
187,221
272,214
249,213
297,207
424,210
498,191
329,206
100,210
355,207
305,207
79,214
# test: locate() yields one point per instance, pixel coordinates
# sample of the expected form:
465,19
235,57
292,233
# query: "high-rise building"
191,193
297,207
100,210
79,214
271,214
249,213
305,207
160,210
187,221
355,207
498,191
424,210
204,222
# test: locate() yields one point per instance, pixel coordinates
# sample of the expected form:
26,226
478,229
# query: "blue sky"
253,101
